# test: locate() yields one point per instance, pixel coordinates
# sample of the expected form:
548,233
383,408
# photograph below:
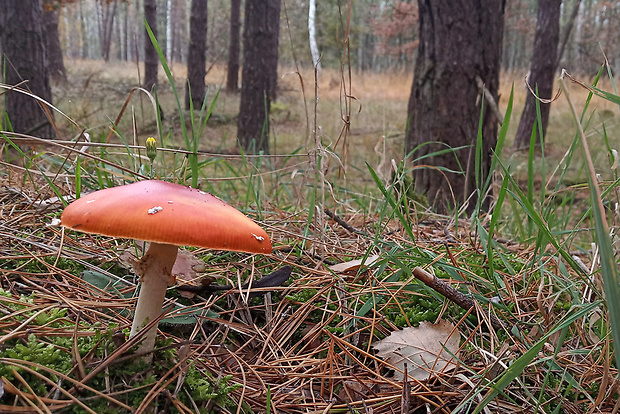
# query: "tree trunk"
179,33
314,48
232,78
259,73
23,45
55,60
84,33
567,31
151,60
197,55
132,33
109,13
459,41
169,28
542,70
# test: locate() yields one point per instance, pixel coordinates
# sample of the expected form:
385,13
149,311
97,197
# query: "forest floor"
535,340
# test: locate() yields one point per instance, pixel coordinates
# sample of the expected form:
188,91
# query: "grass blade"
609,271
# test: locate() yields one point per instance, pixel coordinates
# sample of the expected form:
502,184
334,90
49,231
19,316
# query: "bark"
259,73
542,71
197,55
232,78
151,60
459,41
24,59
56,64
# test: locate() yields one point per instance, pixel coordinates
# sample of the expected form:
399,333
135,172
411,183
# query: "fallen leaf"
353,265
274,279
421,348
186,268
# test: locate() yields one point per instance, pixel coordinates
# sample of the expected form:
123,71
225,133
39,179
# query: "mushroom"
167,215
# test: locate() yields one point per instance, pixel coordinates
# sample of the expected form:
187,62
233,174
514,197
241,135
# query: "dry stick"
461,299
343,223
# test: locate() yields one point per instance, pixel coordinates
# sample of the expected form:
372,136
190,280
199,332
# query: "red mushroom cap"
163,212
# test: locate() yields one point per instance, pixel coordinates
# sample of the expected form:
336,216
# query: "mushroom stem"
154,270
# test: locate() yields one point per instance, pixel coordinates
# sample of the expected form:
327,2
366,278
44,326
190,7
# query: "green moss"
53,354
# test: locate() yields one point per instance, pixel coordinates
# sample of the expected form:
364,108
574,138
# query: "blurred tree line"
383,33
454,46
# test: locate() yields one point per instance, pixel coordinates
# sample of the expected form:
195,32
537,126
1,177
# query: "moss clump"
51,356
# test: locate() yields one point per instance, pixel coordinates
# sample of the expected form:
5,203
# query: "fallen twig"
461,299
343,223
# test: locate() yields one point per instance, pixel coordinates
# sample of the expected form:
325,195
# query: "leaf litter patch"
320,342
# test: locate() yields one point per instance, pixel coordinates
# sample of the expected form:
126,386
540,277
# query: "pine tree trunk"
151,60
23,45
460,40
56,64
232,78
109,13
542,71
197,55
259,73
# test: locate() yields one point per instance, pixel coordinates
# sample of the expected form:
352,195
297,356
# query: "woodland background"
383,34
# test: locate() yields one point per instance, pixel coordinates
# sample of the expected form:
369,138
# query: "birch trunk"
314,49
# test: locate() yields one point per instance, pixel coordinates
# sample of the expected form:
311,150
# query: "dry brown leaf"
421,348
187,268
353,265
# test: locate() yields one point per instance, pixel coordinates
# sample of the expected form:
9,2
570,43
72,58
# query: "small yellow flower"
151,148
